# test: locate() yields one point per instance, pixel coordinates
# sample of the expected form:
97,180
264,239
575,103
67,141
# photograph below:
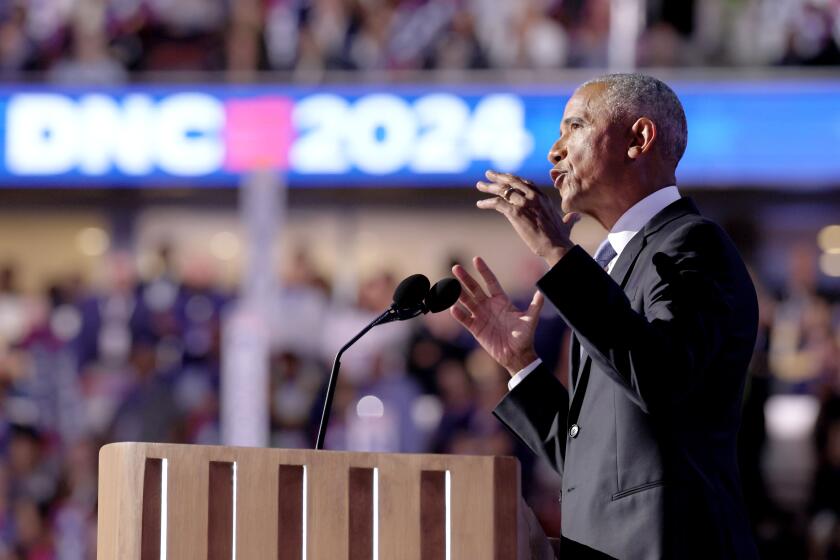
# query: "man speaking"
663,318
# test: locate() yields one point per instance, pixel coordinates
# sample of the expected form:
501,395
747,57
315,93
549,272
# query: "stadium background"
125,239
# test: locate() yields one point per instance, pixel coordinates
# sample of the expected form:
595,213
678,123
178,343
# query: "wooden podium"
194,502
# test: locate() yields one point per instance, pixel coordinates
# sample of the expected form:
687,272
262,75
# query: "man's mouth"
557,176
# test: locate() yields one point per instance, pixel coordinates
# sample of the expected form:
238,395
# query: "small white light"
426,412
830,264
66,322
93,242
370,407
791,416
160,295
829,239
149,265
224,246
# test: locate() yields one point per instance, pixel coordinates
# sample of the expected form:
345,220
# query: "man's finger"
536,305
468,282
496,203
525,187
509,193
467,300
490,188
571,218
462,316
493,285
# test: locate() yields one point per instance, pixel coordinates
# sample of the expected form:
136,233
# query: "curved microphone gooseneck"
408,303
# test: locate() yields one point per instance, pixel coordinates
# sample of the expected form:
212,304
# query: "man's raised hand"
537,221
505,332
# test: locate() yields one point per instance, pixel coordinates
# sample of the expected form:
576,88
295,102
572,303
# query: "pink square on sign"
258,133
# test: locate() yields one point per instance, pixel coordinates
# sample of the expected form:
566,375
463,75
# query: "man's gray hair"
631,96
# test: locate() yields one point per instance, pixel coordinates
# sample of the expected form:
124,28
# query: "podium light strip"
233,544
164,505
375,514
303,520
448,494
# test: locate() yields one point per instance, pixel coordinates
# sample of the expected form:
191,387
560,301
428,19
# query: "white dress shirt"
628,225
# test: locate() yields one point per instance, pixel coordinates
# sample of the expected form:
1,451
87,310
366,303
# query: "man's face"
589,154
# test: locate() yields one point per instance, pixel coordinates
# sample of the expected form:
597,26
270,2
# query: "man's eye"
575,126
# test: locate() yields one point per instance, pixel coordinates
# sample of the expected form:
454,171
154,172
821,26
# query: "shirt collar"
634,219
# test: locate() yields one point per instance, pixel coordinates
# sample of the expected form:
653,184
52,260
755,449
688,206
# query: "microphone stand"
392,314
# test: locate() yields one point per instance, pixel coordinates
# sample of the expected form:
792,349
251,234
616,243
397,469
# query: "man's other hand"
505,332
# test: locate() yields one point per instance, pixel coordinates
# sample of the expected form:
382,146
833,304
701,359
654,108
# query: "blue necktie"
605,254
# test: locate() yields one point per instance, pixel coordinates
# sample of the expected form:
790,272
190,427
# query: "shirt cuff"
522,373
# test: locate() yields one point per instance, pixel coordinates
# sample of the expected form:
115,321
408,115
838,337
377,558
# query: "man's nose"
557,153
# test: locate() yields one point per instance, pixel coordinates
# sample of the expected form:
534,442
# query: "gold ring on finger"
507,192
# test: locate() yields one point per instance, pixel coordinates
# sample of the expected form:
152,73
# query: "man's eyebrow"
573,120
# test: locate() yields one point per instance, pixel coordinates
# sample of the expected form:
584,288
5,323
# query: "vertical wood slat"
290,512
399,510
220,511
326,510
471,511
187,486
256,507
111,522
433,515
360,514
120,511
150,524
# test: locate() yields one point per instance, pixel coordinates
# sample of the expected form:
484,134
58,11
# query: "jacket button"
574,430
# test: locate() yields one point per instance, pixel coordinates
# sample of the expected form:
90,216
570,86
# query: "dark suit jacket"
651,472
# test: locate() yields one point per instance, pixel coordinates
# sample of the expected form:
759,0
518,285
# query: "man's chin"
567,205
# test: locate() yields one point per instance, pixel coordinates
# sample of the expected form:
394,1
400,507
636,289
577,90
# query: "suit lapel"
574,361
582,364
621,273
623,268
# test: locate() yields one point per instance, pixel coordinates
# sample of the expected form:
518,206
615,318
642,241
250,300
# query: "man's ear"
643,136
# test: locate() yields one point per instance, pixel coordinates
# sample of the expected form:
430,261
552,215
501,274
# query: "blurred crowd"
105,41
137,358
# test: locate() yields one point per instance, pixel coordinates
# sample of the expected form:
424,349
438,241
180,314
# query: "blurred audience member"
12,309
90,60
295,382
149,411
803,349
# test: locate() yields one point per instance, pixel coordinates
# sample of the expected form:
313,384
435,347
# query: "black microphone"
409,301
411,291
443,295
